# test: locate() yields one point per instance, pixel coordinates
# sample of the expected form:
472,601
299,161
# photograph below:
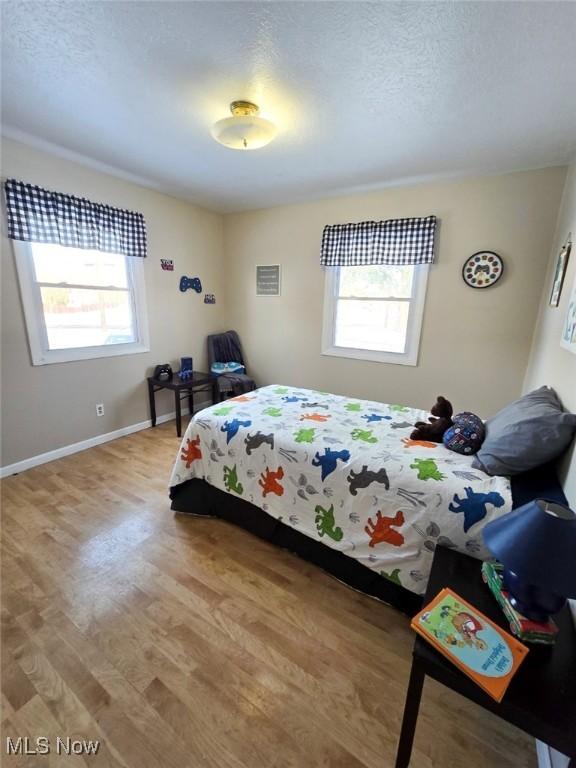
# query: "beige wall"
46,407
475,343
549,362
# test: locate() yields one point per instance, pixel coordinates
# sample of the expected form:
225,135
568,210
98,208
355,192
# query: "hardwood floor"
186,642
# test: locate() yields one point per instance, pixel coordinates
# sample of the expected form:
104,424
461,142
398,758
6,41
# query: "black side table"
182,388
541,698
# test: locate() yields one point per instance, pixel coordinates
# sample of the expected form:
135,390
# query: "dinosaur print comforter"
345,472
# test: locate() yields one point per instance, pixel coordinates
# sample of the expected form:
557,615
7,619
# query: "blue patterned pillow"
466,435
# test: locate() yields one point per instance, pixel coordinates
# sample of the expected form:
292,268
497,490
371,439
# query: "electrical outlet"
100,409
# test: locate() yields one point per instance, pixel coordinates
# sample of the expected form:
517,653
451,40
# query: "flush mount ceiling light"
244,130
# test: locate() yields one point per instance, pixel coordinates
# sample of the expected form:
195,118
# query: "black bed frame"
197,497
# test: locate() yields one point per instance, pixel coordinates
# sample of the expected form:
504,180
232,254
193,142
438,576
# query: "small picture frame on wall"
560,272
568,340
268,280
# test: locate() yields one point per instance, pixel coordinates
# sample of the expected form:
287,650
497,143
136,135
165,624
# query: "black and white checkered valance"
395,242
40,216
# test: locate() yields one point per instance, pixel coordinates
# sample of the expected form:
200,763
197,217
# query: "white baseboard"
67,450
550,758
543,754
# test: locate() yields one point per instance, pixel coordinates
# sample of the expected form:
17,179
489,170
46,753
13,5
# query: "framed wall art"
560,272
568,340
268,280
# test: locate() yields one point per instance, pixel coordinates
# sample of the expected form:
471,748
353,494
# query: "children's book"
476,645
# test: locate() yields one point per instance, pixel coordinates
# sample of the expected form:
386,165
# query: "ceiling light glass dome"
244,130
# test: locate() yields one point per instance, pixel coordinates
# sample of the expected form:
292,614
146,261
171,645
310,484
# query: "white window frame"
415,316
36,325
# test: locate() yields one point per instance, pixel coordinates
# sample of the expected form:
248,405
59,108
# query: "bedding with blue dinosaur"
347,473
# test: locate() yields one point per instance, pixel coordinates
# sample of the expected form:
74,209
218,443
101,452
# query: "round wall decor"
482,269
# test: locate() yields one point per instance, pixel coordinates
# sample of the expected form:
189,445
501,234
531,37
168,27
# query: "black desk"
541,698
182,388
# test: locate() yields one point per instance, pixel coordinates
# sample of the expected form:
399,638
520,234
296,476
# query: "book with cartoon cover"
487,654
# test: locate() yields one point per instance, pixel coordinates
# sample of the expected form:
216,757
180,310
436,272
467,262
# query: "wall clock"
482,269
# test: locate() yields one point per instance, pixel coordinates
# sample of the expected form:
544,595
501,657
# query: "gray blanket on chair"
238,383
226,348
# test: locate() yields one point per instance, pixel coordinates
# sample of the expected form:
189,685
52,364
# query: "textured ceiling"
364,94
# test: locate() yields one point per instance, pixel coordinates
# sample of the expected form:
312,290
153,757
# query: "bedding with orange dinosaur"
346,473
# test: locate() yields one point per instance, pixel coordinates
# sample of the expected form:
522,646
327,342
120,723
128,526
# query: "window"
374,312
81,303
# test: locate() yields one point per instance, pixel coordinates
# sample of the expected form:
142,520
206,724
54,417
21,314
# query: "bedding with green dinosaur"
345,472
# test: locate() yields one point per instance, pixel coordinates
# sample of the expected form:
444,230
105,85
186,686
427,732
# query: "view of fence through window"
372,307
86,296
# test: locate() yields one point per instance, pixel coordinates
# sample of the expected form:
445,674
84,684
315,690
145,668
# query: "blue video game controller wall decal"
190,282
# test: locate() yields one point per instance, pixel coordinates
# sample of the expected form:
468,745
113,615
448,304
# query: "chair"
226,348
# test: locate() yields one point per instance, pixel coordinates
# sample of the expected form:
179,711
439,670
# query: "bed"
340,482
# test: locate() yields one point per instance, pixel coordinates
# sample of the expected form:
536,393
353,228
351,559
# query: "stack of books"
527,630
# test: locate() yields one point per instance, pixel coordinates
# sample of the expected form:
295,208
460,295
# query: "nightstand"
541,698
182,388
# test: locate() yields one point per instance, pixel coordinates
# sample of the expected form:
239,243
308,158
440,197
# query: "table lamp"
536,545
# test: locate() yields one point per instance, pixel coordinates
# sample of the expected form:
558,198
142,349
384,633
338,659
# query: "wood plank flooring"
189,643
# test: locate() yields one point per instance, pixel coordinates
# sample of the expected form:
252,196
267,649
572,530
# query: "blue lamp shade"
537,543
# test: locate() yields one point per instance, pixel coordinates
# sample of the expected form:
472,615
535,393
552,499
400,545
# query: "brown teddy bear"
440,421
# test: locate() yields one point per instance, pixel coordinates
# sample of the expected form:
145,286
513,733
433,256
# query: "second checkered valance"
40,216
395,242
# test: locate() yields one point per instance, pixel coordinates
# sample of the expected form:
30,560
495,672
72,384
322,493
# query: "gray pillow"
528,432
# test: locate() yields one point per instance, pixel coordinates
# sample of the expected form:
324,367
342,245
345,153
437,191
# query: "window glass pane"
77,266
376,281
79,317
376,325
